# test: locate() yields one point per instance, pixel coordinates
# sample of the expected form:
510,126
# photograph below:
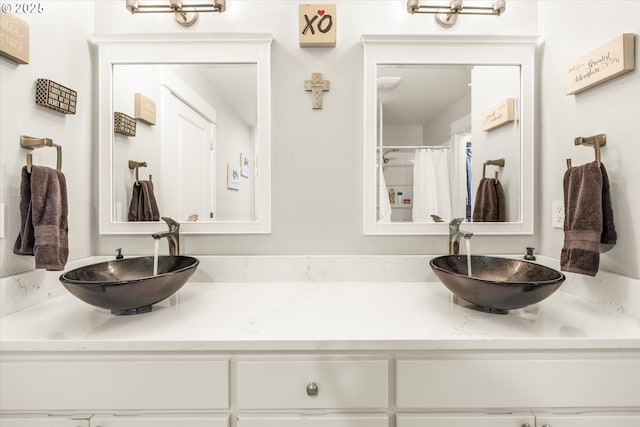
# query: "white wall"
317,170
233,136
145,145
316,157
569,30
438,130
59,51
492,85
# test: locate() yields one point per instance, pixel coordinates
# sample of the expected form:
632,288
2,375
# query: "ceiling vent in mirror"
388,82
186,12
447,14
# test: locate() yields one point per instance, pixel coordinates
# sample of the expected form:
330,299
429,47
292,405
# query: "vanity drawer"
514,383
329,420
136,383
309,384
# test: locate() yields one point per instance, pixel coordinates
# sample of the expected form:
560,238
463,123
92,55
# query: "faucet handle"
172,223
454,225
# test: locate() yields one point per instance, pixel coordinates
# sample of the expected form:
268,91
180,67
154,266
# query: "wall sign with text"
499,114
610,60
14,38
317,25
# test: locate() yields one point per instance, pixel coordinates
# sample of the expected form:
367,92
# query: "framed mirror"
448,133
185,132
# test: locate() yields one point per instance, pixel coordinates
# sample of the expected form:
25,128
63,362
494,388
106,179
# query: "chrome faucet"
173,235
455,234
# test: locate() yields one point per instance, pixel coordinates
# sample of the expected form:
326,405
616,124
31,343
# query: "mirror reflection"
448,143
197,158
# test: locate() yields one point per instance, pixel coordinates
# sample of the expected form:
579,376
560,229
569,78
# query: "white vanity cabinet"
594,419
524,419
160,420
520,419
441,389
342,420
41,420
188,367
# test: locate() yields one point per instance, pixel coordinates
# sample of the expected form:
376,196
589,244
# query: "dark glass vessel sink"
128,286
497,284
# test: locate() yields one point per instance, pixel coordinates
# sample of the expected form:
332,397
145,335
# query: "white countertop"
317,316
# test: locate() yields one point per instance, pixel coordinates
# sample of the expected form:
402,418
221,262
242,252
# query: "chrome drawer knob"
312,389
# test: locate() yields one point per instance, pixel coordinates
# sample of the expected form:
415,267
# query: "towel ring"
31,143
497,162
135,165
596,141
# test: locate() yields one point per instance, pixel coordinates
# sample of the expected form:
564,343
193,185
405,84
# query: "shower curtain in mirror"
384,205
431,187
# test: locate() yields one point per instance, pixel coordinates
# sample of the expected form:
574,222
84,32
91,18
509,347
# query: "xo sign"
317,25
324,24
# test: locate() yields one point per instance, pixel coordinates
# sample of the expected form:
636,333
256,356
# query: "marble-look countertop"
319,316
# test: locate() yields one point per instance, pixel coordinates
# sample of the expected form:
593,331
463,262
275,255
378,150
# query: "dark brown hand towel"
490,203
26,239
586,204
609,235
143,203
44,225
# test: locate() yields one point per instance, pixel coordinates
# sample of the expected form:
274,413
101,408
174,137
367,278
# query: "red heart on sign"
320,12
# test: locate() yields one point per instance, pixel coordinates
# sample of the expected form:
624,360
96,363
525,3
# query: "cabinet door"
524,419
594,419
338,420
152,420
42,421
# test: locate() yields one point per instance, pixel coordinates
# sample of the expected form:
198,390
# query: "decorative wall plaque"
233,177
145,109
610,60
498,115
14,38
55,96
316,86
126,125
317,25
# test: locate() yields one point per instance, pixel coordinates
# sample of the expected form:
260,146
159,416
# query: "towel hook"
31,143
496,162
596,141
135,165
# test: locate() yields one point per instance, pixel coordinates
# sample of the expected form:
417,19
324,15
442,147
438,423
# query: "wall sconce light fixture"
186,12
447,15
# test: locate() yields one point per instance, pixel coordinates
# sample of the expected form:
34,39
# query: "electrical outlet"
557,214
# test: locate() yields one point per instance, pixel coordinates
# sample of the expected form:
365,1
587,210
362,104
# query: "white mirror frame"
185,48
433,50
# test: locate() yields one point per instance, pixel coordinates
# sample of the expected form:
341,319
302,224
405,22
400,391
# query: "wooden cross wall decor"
316,85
